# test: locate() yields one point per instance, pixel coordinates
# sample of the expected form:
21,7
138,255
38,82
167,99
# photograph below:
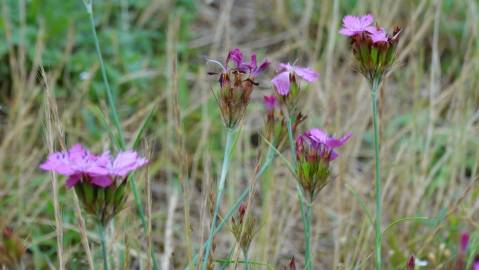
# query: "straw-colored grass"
155,56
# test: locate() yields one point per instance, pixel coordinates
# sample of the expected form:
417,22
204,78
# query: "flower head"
99,181
287,74
353,25
237,81
373,47
315,149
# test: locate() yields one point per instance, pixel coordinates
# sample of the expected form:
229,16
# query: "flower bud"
411,263
314,152
276,130
243,228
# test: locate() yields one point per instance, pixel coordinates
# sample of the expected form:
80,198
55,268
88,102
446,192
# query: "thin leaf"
362,204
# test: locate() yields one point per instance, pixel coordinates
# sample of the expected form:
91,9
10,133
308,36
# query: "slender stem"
374,91
269,159
101,232
116,122
307,236
305,215
219,195
245,254
109,93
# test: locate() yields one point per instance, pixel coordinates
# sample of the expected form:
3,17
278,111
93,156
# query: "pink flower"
464,242
269,102
475,266
236,56
79,164
378,35
326,143
411,263
353,25
282,81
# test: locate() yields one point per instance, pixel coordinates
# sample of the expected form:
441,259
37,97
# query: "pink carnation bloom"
353,25
79,163
377,34
325,143
282,81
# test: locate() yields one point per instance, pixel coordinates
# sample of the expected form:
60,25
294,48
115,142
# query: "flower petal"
306,73
281,83
101,181
73,180
58,162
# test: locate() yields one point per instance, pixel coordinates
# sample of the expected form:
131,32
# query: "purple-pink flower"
315,149
325,143
79,164
378,34
270,102
287,73
464,242
353,25
236,56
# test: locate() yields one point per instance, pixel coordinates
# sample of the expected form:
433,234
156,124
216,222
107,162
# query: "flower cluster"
11,248
237,81
285,99
244,228
373,47
315,149
99,181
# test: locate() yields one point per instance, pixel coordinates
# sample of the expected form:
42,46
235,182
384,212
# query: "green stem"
374,90
245,253
219,195
269,159
116,121
307,236
101,232
109,93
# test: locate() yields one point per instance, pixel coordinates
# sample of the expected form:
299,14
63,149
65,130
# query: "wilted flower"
373,47
99,181
237,81
243,228
314,152
11,249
